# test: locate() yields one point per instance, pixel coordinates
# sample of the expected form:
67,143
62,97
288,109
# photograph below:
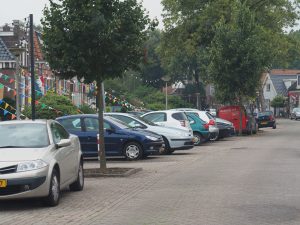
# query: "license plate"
3,183
264,123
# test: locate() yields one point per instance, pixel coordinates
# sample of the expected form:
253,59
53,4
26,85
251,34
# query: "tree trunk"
101,128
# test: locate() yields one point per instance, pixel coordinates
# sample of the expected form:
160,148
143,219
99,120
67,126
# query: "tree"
151,69
190,27
51,106
278,102
94,40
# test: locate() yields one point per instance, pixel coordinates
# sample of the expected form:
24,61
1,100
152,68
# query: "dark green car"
200,128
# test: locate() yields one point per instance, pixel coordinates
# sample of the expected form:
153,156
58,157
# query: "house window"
268,87
6,65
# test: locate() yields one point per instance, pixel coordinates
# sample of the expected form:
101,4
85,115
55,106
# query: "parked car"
120,139
200,128
205,116
174,138
295,114
38,159
169,118
266,119
226,128
233,113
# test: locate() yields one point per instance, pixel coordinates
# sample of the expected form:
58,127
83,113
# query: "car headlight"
31,165
152,138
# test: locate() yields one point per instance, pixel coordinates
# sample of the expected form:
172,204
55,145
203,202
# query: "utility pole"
32,68
17,52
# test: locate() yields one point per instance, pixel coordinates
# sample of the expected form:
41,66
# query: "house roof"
284,72
278,83
38,54
5,54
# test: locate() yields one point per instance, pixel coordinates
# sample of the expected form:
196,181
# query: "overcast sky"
20,9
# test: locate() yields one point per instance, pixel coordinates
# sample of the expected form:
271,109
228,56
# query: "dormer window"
268,88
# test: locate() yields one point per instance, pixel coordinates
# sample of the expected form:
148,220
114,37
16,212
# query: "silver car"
38,159
174,138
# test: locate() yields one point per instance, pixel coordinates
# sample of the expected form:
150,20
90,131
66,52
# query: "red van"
232,114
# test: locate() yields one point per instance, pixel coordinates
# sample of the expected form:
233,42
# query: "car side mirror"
63,143
109,130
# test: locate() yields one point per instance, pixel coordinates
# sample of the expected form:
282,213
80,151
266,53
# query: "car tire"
213,137
167,150
198,138
274,126
133,151
79,183
54,190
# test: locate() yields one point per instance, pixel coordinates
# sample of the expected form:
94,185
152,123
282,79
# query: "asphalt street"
249,180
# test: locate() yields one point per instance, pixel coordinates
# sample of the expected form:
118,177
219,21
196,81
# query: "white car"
205,116
174,138
169,118
38,159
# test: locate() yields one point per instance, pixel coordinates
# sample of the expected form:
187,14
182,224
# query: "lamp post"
17,51
166,79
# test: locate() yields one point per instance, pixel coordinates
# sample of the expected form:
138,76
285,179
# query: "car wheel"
198,139
213,136
133,151
274,126
167,150
79,183
54,190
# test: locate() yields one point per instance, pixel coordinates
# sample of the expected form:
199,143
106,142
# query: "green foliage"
52,106
151,69
94,40
86,109
278,101
190,26
239,54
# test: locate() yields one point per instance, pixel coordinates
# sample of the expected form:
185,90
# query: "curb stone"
111,172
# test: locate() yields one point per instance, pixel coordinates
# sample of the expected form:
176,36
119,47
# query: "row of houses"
284,82
14,51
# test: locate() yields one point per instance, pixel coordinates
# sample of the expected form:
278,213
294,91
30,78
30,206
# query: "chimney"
6,28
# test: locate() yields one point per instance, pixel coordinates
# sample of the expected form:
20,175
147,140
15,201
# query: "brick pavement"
230,182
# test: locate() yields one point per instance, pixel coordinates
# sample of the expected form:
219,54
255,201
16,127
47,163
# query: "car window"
156,117
58,132
107,125
91,124
131,122
179,116
29,135
191,120
71,124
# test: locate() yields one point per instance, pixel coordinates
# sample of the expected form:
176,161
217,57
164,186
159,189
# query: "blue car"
119,138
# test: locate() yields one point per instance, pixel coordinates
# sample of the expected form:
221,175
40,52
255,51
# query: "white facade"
269,92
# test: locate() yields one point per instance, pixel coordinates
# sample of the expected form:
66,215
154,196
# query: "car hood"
168,131
21,154
143,132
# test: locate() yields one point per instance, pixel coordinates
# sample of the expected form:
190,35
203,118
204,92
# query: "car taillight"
206,126
211,122
182,123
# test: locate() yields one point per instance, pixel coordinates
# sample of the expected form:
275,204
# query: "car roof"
39,121
77,115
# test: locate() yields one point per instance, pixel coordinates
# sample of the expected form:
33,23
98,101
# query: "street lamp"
166,79
17,51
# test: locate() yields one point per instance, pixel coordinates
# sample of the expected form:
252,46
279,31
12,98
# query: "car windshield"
145,121
29,135
117,122
296,109
267,113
